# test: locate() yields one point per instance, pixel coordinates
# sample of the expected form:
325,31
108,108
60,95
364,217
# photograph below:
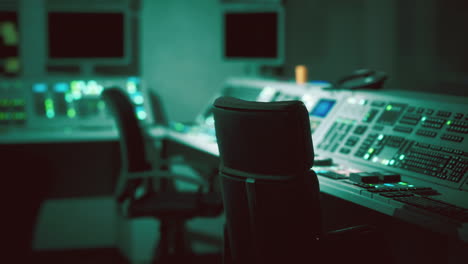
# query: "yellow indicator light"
12,65
371,150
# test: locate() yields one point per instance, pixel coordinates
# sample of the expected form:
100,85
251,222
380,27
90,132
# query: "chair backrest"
132,143
270,195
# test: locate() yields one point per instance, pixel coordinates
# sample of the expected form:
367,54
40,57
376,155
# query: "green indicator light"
179,126
367,156
2,116
19,116
391,162
410,185
449,122
423,118
389,107
101,105
50,114
381,136
49,104
401,157
71,113
371,150
402,183
18,102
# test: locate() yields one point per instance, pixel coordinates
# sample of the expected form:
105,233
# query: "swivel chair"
135,191
271,196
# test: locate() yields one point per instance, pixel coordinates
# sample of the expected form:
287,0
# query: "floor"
105,256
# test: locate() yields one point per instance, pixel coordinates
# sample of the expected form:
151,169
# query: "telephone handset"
362,79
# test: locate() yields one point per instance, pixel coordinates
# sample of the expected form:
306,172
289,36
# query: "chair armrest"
166,175
350,233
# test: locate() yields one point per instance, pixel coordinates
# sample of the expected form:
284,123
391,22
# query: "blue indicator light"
39,87
61,87
388,184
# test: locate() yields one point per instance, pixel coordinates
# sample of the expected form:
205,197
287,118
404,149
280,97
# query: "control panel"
423,139
398,132
49,103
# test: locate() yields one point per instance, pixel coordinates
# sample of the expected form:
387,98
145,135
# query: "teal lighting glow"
68,97
140,113
131,87
138,98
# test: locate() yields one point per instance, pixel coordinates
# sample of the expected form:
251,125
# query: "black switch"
388,176
364,177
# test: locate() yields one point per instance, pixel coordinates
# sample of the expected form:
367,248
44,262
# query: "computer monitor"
254,33
83,37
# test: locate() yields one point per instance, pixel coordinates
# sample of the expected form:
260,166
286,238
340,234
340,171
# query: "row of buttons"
452,138
440,113
403,129
426,133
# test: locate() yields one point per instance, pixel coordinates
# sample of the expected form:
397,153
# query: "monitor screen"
253,35
322,108
75,35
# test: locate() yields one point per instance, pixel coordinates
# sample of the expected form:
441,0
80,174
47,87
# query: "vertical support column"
33,50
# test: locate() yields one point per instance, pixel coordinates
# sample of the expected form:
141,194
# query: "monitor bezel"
257,8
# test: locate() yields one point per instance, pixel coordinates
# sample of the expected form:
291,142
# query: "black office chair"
271,196
135,192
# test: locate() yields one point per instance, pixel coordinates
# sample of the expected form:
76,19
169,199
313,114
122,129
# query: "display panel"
322,108
86,35
254,34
